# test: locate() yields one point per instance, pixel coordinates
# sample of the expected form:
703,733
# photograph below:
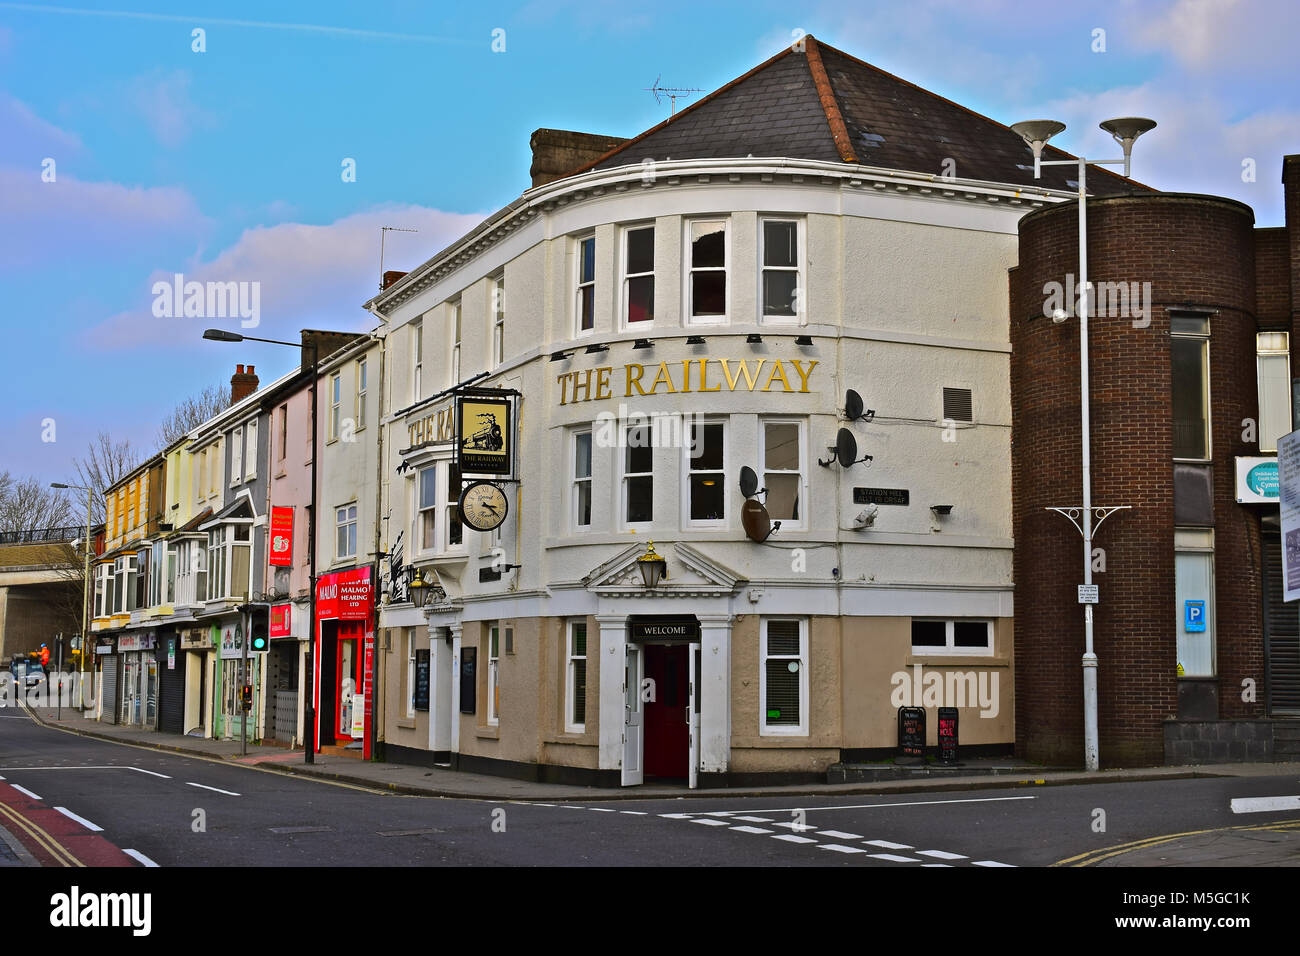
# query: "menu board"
911,731
422,679
468,683
948,734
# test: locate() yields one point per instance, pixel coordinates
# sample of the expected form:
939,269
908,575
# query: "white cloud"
25,137
310,276
1222,36
163,100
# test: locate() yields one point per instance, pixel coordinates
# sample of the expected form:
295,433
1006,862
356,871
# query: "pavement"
978,773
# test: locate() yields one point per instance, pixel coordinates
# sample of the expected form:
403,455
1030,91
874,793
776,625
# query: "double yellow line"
1096,856
62,855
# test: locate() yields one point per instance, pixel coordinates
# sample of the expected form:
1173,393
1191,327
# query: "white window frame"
419,508
454,331
687,471
1207,367
417,360
1272,345
800,316
498,310
950,649
359,403
350,514
570,675
763,657
221,587
336,401
493,672
624,475
250,453
688,270
801,522
237,456
579,285
449,506
624,277
410,671
576,480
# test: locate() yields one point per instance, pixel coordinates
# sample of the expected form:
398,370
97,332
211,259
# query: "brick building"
1187,381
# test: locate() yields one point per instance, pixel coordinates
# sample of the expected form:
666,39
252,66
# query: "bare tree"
192,412
29,503
105,464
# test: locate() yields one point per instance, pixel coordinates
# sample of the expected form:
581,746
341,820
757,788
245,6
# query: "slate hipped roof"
823,104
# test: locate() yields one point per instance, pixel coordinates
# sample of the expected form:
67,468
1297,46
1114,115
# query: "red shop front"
345,660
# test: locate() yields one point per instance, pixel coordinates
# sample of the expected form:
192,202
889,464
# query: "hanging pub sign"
911,731
281,537
483,434
948,734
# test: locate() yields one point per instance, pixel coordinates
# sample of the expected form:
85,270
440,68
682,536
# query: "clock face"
483,506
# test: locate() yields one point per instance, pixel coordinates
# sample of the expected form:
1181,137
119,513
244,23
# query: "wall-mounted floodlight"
694,340
600,347
643,344
560,356
804,340
753,338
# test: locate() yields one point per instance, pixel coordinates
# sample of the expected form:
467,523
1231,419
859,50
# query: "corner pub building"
673,309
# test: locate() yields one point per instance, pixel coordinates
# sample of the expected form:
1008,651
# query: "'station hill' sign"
688,375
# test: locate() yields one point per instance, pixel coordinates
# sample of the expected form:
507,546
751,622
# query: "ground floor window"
493,673
1194,600
952,636
783,676
575,682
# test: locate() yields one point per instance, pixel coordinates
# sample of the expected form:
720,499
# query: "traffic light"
259,630
246,697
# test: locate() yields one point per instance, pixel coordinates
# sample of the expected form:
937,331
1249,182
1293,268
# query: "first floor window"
585,307
575,684
345,519
780,268
1274,377
706,473
782,448
336,393
707,282
638,474
428,508
493,675
454,532
639,275
955,636
582,479
783,678
1189,347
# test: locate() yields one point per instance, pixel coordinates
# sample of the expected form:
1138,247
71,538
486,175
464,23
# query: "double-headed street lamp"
85,596
1036,133
309,730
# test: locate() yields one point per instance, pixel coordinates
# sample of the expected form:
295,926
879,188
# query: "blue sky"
225,164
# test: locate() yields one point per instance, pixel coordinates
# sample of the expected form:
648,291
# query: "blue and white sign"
1257,481
1193,616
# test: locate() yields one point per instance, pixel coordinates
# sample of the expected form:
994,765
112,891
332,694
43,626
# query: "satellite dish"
846,448
756,521
852,405
748,481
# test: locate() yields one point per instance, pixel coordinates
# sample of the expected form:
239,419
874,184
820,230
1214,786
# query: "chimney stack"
391,276
559,152
242,384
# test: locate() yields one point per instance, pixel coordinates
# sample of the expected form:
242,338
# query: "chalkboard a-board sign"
911,731
468,679
948,734
422,679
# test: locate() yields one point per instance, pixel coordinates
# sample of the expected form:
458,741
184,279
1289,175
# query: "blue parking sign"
1194,616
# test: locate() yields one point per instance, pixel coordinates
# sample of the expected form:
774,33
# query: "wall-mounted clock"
483,506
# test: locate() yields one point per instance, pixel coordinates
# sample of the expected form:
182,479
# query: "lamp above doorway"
653,567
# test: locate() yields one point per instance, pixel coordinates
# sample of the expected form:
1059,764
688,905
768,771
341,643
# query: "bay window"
781,445
585,304
706,291
638,474
781,268
229,562
581,498
706,475
639,275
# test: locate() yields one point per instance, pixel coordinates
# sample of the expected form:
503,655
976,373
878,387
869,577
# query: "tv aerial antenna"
672,92
383,234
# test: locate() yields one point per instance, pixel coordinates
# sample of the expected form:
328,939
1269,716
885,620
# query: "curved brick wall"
1195,251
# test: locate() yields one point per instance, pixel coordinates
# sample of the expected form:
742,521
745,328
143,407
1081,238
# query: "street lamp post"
85,587
309,723
1036,133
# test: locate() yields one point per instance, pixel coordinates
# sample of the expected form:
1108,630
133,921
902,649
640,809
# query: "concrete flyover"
40,588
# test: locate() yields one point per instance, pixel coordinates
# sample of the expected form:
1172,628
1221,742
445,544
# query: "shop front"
345,653
171,683
196,658
138,697
287,634
106,680
235,671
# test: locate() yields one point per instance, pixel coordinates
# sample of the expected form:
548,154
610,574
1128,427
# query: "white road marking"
676,816
567,806
754,819
948,865
544,804
722,813
795,826
885,806
893,858
137,855
1264,804
34,796
840,834
992,863
152,773
711,823
940,854
82,820
603,809
840,849
886,845
750,830
791,838
635,813
204,786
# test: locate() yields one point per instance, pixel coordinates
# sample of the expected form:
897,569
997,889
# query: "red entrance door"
348,675
667,735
